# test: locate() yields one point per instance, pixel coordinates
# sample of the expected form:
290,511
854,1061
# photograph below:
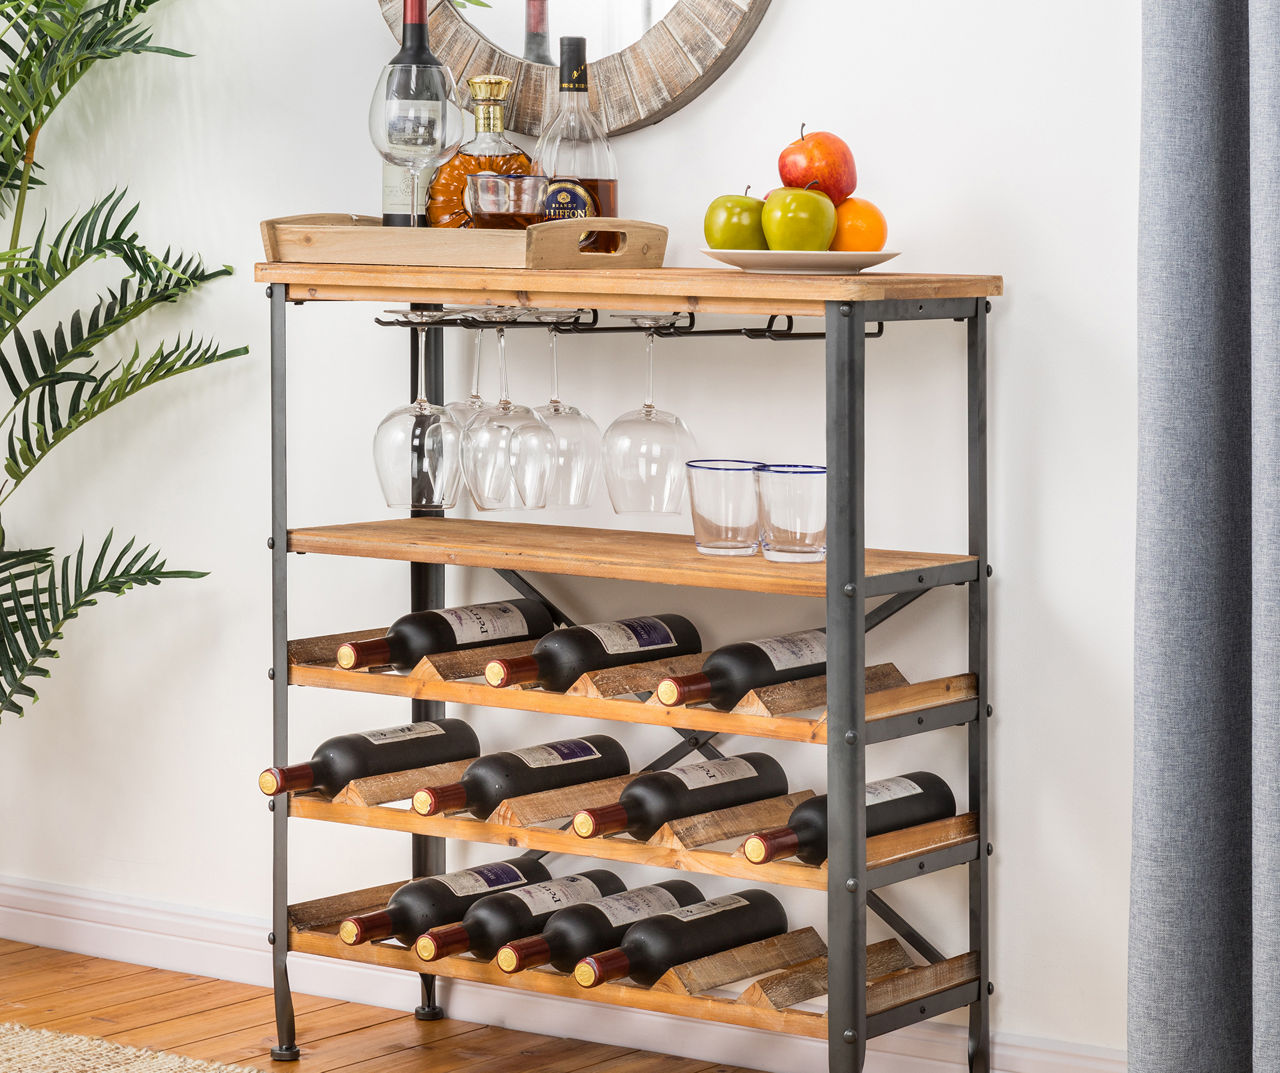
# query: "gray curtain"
1204,934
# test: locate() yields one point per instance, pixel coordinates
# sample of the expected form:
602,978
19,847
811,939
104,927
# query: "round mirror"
648,58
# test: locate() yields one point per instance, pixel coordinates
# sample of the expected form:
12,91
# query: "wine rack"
870,990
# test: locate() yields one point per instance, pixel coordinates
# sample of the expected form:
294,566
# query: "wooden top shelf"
703,290
668,558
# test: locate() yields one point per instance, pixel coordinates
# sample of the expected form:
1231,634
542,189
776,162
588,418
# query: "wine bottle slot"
728,674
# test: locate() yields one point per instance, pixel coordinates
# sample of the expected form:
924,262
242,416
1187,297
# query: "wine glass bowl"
416,450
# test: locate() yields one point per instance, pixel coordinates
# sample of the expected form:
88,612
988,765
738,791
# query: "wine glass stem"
422,363
504,395
648,392
413,197
475,373
555,367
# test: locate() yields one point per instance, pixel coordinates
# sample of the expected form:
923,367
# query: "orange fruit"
860,226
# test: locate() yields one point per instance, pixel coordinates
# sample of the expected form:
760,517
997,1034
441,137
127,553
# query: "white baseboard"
235,948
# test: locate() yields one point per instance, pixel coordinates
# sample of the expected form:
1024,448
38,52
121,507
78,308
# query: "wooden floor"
226,1022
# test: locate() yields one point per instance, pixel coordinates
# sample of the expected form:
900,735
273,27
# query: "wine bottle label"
632,635
486,877
569,200
890,790
709,772
708,908
485,622
557,752
633,905
402,733
795,649
548,897
397,191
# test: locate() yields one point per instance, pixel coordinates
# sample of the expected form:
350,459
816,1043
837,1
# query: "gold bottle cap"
668,692
584,825
489,88
585,974
426,947
755,850
269,783
349,932
508,961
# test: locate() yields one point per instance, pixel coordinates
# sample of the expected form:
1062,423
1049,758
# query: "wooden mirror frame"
676,60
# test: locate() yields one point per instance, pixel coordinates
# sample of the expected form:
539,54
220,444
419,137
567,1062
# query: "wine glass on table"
508,453
645,450
577,436
417,448
415,120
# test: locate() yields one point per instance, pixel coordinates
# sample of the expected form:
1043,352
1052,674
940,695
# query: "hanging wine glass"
508,453
417,448
463,410
415,121
645,450
577,465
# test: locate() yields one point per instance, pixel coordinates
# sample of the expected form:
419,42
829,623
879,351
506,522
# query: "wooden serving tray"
339,238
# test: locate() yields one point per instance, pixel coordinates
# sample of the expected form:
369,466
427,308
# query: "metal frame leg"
426,591
846,688
979,887
286,1049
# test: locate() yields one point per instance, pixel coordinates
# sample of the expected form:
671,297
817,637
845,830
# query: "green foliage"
55,381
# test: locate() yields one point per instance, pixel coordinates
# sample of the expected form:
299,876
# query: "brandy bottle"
489,151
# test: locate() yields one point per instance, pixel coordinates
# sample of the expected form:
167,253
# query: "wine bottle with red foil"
423,904
892,804
731,672
563,656
656,797
498,919
653,946
582,930
493,779
374,752
415,48
449,629
537,43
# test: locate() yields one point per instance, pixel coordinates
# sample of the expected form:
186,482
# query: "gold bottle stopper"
489,95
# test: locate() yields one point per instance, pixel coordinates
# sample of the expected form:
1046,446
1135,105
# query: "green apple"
733,223
795,219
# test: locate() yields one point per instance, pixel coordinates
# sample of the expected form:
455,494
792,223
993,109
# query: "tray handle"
554,244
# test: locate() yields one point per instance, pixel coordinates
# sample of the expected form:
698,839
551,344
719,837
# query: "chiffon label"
633,905
481,880
710,772
890,790
795,649
412,730
632,635
708,908
548,897
557,752
485,622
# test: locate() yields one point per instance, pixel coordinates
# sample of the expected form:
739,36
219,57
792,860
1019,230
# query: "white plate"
822,262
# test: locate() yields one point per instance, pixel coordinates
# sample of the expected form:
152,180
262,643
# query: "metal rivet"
988,305
920,720
991,989
271,938
988,711
691,742
850,589
850,1036
922,866
851,885
271,542
990,849
920,578
851,737
846,310
919,309
269,290
990,571
924,1010
271,804
271,673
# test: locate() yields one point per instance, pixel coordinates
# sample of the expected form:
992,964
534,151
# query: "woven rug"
32,1050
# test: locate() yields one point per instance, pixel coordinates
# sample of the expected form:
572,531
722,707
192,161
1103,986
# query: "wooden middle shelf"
666,558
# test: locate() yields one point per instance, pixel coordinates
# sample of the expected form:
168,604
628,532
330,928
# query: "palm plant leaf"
37,600
42,423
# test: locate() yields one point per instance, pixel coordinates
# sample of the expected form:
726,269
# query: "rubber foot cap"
429,1013
290,1053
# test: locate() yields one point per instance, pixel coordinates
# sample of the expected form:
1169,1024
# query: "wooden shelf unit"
855,707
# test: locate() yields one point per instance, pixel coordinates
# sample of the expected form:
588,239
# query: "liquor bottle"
396,187
563,656
489,150
423,904
892,804
498,919
537,45
731,672
424,633
582,930
574,153
654,798
493,779
374,752
654,945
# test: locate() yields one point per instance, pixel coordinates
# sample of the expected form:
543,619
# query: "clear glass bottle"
574,153
489,150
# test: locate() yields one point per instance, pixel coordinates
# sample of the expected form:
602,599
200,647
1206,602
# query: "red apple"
820,158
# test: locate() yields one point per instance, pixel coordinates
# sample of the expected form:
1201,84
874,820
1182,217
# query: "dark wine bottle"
582,930
424,633
653,946
374,752
892,804
563,656
537,42
494,778
415,48
655,797
423,904
731,672
498,919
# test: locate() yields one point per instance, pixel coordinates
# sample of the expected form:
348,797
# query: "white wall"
1000,139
